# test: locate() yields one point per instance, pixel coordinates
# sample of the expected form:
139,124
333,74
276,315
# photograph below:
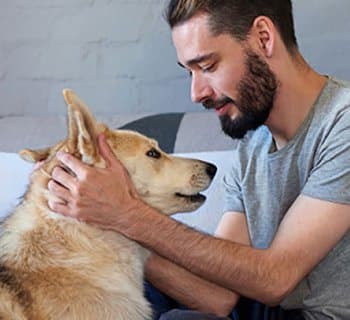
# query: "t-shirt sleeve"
329,178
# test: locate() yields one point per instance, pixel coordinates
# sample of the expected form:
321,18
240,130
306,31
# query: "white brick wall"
117,54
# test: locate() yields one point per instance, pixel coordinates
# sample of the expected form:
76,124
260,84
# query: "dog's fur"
54,267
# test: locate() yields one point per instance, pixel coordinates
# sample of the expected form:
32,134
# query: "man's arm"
106,197
302,241
191,290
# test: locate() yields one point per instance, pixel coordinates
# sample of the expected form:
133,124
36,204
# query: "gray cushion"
176,132
161,127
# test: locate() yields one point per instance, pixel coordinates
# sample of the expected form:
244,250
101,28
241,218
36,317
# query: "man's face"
226,76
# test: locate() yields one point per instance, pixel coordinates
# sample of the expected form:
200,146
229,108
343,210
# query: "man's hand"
95,195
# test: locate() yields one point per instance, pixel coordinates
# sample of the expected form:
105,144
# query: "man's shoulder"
333,102
337,92
343,84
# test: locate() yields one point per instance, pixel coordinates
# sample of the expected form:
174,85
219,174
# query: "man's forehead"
197,24
192,40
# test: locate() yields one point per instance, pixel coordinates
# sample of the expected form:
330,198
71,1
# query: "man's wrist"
136,219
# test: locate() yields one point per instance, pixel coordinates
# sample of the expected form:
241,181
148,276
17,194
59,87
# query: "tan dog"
53,267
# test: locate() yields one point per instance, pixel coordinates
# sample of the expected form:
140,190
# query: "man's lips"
220,106
222,110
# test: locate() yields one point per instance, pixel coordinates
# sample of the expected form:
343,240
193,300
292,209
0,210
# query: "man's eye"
208,68
153,153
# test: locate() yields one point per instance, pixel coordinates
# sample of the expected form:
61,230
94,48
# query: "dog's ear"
82,128
35,155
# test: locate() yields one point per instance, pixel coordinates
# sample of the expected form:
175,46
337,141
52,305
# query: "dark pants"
165,308
178,314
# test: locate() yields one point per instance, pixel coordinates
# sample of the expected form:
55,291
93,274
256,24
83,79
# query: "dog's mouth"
192,197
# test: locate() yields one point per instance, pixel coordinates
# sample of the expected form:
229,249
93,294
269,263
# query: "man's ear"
82,129
263,32
35,155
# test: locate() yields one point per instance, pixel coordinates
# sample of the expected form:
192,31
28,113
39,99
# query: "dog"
53,267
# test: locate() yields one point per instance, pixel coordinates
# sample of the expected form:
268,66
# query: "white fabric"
14,175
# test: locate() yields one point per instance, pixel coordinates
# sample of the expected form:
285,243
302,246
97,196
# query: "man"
284,238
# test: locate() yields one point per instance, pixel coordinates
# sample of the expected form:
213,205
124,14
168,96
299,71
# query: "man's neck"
298,90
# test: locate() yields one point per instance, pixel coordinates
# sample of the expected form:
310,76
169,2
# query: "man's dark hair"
236,17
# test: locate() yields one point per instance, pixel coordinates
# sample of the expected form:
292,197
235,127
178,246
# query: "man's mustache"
212,104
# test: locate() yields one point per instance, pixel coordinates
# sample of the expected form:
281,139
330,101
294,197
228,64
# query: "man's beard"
256,93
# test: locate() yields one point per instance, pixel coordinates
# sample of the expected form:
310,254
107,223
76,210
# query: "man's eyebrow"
196,60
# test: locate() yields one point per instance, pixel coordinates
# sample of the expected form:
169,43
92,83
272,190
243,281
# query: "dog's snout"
211,170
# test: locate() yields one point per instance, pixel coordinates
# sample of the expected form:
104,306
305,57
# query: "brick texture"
117,54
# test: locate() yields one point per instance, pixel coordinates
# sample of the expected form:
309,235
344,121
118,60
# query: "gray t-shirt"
263,184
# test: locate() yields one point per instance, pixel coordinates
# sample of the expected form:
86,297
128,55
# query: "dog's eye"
153,153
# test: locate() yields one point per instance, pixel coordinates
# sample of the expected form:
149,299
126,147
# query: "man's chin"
236,129
235,134
233,127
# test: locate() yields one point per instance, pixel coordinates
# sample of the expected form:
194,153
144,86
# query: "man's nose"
200,88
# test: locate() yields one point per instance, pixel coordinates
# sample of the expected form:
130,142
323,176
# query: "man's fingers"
74,164
106,151
63,178
59,191
38,164
59,208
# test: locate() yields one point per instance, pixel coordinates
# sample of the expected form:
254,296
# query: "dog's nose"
211,170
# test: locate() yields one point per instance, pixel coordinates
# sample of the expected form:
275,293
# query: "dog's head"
168,183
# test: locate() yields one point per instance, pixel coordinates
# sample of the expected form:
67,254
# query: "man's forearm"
237,267
189,289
